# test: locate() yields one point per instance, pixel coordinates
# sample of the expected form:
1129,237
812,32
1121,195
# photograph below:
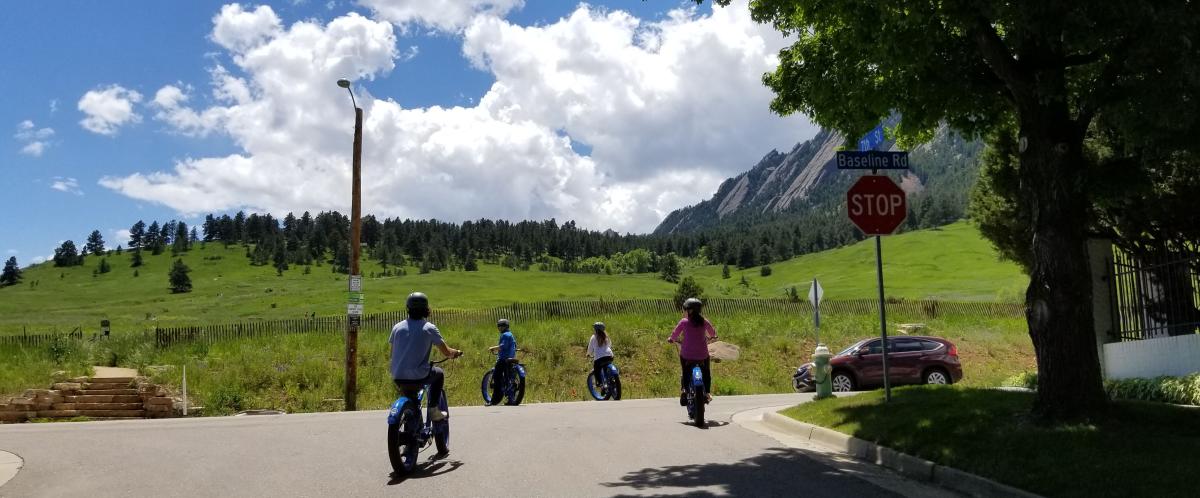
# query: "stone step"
109,384
115,418
108,406
111,379
109,392
104,398
58,413
113,413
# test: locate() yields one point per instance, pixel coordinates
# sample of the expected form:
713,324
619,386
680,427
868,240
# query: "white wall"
1176,356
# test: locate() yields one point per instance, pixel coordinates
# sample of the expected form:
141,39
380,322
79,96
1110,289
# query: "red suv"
911,360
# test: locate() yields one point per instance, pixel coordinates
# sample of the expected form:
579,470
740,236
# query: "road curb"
907,465
10,463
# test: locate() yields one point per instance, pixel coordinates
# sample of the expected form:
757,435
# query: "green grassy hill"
951,263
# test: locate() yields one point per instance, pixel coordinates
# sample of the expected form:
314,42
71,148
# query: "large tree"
178,278
11,274
1048,68
95,243
67,255
136,233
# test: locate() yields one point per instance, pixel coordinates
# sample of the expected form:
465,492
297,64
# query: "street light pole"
354,305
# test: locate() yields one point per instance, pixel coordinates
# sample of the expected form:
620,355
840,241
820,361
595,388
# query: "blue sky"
610,113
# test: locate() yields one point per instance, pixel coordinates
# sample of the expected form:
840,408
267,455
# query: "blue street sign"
872,159
872,139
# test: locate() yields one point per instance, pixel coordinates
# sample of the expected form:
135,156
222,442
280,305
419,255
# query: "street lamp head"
344,83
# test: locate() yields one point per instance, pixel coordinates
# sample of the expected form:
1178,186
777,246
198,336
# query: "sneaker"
707,398
439,455
683,399
438,415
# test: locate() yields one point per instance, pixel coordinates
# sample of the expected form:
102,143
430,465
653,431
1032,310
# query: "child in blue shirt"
506,350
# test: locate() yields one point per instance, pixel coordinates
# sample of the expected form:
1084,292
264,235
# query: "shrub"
1165,389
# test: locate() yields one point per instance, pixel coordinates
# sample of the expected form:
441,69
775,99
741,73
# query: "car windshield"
851,349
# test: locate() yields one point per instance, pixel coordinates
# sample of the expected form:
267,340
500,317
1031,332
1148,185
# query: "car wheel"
936,376
843,382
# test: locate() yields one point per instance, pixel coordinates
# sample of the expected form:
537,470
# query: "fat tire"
402,452
518,396
485,387
698,407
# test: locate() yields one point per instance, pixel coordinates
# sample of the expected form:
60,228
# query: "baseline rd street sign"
876,205
872,159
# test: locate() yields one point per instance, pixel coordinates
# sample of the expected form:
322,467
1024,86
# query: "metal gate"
1155,295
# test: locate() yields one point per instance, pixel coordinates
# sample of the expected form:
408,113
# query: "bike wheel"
614,389
441,430
486,387
518,391
402,445
698,407
594,389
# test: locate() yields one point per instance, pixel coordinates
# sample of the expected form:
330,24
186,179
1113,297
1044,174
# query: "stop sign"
876,205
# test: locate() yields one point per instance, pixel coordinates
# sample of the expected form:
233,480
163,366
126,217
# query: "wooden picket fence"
26,339
525,312
589,310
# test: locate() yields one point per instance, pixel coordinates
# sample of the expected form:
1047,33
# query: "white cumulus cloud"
445,15
669,109
108,109
66,184
33,140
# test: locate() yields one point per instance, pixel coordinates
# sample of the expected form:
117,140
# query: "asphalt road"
631,447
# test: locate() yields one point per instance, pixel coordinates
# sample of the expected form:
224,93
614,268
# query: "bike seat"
512,361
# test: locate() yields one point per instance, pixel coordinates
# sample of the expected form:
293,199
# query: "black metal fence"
584,310
1155,295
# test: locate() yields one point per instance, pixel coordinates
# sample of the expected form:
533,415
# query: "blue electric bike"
513,390
608,386
409,433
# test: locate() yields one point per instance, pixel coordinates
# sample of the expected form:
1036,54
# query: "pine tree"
471,264
11,274
725,271
280,257
95,243
104,266
765,270
180,282
669,268
180,243
136,234
136,259
688,288
67,255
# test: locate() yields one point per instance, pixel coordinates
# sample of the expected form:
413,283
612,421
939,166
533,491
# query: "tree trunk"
1059,298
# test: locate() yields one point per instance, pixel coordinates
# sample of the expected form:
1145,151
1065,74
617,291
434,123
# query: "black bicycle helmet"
417,304
692,303
598,326
503,322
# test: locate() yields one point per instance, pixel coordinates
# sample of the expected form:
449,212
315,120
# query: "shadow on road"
432,469
712,424
777,472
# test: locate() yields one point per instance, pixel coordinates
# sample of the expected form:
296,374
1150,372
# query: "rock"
160,401
59,375
30,393
67,386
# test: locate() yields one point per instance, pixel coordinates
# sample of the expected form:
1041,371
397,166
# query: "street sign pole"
887,386
877,206
815,295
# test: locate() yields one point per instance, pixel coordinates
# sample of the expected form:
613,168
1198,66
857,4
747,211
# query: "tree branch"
998,57
1103,87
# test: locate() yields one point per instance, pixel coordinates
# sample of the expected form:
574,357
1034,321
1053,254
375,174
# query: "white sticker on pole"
355,283
815,293
354,309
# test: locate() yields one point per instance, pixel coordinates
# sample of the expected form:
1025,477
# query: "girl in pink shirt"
693,333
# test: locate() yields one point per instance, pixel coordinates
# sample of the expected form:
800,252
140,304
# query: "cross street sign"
872,139
872,159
